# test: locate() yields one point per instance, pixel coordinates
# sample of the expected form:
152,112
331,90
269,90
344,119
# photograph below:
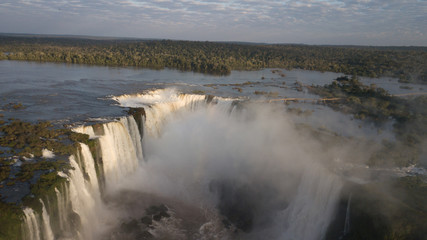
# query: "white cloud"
300,21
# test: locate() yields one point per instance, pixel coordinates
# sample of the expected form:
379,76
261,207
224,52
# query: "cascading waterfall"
306,216
82,200
311,207
158,114
133,130
120,144
89,165
118,153
159,104
78,199
31,227
62,209
47,230
81,195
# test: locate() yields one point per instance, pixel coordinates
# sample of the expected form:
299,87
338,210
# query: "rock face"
155,213
134,229
388,209
139,116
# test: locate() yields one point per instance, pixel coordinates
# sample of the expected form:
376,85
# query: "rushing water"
211,161
198,154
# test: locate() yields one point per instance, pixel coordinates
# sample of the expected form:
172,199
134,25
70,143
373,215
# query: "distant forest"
409,64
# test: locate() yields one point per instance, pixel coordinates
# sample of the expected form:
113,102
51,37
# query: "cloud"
303,21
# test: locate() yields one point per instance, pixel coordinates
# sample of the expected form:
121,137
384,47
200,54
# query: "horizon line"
106,38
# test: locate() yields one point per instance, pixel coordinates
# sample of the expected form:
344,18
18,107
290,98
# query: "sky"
336,22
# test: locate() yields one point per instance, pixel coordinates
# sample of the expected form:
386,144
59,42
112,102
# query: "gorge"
192,160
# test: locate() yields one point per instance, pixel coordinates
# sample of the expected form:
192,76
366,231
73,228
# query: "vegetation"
405,63
267,94
10,221
25,141
377,105
364,101
13,106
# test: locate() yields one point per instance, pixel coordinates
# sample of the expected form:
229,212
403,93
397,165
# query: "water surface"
68,93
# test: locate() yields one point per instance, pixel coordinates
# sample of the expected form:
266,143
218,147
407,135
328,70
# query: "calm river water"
70,93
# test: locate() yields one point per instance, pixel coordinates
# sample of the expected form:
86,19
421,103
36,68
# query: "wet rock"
131,226
98,129
155,213
138,114
145,235
209,98
154,210
147,220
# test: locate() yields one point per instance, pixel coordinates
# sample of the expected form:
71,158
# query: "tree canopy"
409,64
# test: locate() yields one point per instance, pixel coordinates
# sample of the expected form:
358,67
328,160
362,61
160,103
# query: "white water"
83,201
62,209
46,153
89,165
79,196
133,130
31,225
118,153
47,230
120,144
310,212
188,150
260,146
159,114
160,104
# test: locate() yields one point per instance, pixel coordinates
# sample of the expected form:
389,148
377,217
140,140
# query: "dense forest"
409,64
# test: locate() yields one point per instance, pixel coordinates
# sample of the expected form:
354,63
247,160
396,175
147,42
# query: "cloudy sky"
361,22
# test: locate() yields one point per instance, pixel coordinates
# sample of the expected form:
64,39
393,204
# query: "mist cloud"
254,166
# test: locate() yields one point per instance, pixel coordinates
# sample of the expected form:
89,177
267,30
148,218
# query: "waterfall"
251,146
31,228
159,114
47,230
83,200
120,144
89,165
311,206
310,212
64,208
160,104
118,152
133,129
62,203
78,201
77,204
347,218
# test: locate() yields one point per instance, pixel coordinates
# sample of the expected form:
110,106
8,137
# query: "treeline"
409,64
